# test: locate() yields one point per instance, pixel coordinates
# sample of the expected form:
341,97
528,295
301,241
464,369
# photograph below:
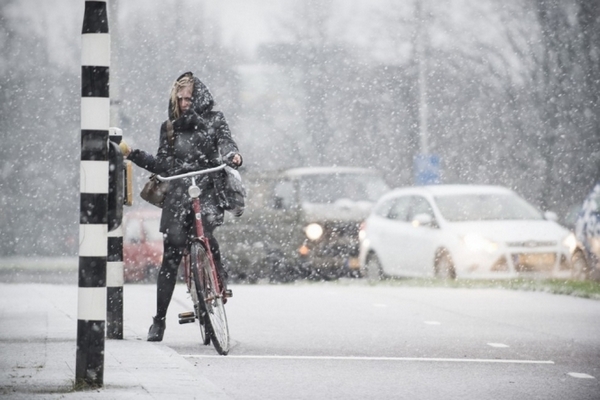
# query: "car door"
420,239
392,229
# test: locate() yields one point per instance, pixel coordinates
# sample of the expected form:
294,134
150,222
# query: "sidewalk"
38,329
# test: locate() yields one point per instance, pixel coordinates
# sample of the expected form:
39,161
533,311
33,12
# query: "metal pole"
93,227
115,102
422,81
114,267
114,272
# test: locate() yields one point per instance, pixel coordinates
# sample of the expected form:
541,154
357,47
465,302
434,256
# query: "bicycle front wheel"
215,309
198,258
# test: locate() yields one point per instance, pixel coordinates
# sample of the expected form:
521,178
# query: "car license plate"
353,263
536,261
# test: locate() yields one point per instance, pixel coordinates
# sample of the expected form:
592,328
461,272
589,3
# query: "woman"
202,139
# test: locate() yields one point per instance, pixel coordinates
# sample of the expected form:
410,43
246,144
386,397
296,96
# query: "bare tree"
568,93
38,169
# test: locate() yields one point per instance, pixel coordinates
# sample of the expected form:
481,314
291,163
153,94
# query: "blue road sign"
426,169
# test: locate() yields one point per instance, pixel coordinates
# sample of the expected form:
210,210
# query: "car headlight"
476,243
362,233
571,242
313,231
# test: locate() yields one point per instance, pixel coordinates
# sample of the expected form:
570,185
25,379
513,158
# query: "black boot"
157,330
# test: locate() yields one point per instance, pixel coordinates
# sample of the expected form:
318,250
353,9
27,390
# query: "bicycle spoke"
197,291
216,314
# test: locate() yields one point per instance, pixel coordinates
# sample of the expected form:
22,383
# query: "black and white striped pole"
94,169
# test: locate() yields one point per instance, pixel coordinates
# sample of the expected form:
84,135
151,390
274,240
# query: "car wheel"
373,269
328,274
443,265
580,269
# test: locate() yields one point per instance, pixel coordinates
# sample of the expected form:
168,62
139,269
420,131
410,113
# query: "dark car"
301,222
142,245
586,257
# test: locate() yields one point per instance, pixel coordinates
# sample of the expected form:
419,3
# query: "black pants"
174,248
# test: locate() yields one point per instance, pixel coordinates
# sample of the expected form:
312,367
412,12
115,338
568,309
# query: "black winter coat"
201,138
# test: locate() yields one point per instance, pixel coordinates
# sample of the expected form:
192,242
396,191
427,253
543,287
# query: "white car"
454,231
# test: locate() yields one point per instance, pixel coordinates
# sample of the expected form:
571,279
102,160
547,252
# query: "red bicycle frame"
199,228
200,236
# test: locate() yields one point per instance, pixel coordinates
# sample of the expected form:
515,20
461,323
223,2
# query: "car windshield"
484,207
328,188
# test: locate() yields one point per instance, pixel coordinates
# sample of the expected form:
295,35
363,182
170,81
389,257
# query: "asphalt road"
355,341
351,340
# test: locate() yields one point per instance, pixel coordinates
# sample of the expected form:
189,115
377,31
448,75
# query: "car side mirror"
422,220
551,216
278,203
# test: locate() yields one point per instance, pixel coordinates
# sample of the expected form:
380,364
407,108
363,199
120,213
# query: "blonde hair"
181,83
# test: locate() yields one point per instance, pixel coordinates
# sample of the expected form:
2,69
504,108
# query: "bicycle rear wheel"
215,309
198,258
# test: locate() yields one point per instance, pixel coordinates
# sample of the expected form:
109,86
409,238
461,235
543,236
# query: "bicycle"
201,276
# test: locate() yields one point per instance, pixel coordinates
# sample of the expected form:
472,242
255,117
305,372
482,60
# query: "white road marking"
580,375
334,358
500,345
379,305
432,322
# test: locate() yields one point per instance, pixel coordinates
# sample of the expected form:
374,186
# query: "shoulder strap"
170,134
171,141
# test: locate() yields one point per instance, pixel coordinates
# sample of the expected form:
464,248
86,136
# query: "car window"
488,206
399,209
328,188
595,202
384,208
419,205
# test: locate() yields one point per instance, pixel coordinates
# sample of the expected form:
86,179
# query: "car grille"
339,240
342,229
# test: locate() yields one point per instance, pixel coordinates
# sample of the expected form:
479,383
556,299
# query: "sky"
241,24
246,23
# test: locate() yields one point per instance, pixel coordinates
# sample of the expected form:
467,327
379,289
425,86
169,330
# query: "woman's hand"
125,149
232,159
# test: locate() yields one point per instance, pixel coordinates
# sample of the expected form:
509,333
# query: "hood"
513,231
341,210
202,99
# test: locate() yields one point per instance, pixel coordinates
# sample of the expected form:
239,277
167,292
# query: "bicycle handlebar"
189,174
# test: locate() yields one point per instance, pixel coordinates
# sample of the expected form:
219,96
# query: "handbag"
234,192
155,191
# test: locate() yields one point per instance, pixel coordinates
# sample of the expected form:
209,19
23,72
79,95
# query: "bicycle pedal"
187,314
228,293
186,320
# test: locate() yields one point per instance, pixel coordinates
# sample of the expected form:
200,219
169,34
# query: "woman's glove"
233,159
125,149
